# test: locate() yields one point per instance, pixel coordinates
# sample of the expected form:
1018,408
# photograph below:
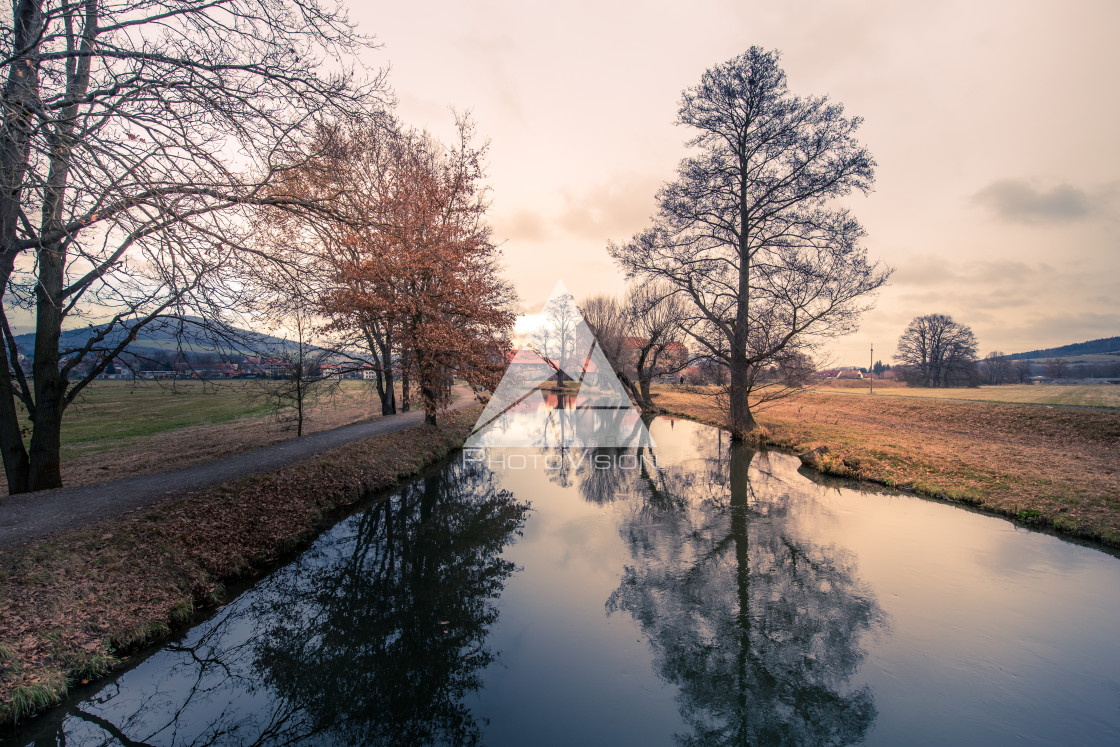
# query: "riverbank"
1042,466
74,605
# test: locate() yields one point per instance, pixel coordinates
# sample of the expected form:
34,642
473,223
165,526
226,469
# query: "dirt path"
33,515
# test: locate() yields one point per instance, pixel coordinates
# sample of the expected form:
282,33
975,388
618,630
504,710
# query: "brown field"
1044,466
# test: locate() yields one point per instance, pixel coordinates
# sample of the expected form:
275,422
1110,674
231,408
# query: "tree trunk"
405,393
429,393
647,400
389,395
740,419
299,405
46,437
50,383
20,94
16,464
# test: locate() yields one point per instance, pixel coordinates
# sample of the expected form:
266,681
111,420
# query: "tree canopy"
749,232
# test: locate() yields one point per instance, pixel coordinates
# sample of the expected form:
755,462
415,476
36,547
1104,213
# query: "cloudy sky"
995,129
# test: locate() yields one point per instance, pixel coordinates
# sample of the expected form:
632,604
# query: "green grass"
108,413
114,410
1098,395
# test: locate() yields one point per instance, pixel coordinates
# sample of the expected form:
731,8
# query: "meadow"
120,427
1072,395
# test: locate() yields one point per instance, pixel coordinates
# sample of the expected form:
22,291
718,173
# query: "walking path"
29,516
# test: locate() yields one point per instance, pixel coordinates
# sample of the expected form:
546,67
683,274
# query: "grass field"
1099,395
120,428
114,410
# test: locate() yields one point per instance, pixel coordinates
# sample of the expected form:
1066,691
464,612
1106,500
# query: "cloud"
523,225
611,210
1020,201
928,272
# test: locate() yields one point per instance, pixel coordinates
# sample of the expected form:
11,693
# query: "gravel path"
29,516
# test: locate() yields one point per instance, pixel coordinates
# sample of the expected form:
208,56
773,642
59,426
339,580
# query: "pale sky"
995,129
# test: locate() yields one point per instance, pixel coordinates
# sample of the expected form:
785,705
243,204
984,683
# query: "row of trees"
936,351
194,164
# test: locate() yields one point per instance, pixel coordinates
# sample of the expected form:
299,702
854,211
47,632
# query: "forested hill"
194,337
1103,345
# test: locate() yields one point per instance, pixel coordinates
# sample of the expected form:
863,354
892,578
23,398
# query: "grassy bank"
1043,466
73,606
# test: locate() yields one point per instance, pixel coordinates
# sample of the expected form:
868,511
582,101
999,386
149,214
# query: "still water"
694,593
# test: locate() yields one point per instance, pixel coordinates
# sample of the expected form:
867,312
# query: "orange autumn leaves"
414,263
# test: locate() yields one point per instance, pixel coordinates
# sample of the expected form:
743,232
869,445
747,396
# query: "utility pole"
872,369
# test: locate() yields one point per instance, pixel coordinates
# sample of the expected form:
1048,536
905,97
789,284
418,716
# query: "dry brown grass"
73,606
1043,466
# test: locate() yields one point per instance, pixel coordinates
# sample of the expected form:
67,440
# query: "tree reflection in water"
373,636
383,645
759,629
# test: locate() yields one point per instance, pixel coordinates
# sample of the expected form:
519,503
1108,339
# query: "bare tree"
557,340
640,335
936,352
657,314
1056,368
285,301
134,135
1023,371
748,232
996,368
609,321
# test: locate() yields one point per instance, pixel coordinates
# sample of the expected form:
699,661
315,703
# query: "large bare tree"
937,352
134,133
748,232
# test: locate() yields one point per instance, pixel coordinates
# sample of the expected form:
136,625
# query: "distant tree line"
936,351
1103,345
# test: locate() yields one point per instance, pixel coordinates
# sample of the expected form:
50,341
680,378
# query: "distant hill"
165,337
1103,346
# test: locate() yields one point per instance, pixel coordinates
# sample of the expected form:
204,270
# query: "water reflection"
760,629
735,613
373,636
559,420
